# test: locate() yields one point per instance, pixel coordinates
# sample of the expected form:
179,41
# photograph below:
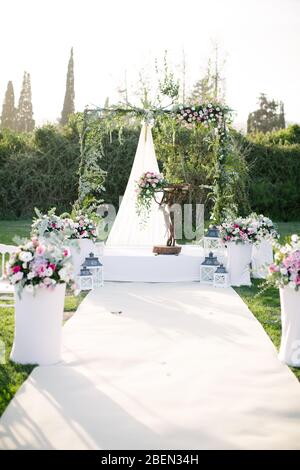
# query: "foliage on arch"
213,116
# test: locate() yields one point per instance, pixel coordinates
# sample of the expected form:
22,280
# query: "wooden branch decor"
172,194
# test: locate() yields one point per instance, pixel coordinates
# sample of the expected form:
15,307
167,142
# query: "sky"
258,39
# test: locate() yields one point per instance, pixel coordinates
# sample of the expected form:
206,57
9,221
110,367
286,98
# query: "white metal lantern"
96,268
208,268
221,277
212,240
85,279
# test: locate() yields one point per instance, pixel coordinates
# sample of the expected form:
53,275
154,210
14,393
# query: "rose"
66,252
16,269
40,250
25,256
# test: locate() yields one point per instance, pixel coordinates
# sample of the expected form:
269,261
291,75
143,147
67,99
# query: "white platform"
183,367
139,264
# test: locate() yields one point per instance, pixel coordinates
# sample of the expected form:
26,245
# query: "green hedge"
38,170
41,169
275,180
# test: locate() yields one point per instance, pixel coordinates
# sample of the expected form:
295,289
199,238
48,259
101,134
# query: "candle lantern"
85,279
212,240
221,277
208,268
96,268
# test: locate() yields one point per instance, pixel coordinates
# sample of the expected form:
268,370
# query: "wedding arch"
126,229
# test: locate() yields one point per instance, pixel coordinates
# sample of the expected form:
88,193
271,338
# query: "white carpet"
182,367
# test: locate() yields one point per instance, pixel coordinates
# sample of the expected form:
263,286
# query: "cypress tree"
24,119
69,106
8,116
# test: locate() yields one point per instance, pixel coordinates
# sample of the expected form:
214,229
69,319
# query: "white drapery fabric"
127,229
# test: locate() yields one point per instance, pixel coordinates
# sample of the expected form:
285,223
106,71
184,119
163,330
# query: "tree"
266,118
211,86
203,89
24,118
69,106
8,117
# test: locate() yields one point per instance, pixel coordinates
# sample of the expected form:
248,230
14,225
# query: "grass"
11,228
265,307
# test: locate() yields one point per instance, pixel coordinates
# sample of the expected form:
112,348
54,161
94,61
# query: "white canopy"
127,229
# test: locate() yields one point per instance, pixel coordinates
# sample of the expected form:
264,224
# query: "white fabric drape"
127,229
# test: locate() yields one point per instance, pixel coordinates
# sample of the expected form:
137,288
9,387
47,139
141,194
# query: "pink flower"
52,266
40,250
16,269
41,270
66,252
273,268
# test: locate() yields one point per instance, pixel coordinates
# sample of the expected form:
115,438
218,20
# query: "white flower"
24,265
29,288
294,238
16,277
25,256
283,271
48,272
30,275
63,274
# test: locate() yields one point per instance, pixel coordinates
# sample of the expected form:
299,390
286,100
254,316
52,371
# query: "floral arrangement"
63,226
83,227
211,113
38,264
285,271
147,185
45,224
238,230
265,228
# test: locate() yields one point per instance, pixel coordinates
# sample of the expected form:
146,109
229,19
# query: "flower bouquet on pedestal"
84,231
238,235
39,271
262,252
284,273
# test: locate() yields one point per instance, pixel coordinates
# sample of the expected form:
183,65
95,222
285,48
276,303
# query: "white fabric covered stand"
290,320
238,264
127,229
80,252
38,326
139,264
262,256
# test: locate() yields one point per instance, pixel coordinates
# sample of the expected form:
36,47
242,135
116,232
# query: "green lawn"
11,228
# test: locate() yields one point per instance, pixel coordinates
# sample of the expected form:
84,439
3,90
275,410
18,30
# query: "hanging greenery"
212,116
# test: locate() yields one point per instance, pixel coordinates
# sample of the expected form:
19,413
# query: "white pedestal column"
85,247
38,326
290,321
262,256
238,264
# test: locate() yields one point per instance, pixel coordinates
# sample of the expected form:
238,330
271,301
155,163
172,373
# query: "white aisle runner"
182,367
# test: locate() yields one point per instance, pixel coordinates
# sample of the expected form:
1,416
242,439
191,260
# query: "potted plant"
262,252
39,272
284,273
238,235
